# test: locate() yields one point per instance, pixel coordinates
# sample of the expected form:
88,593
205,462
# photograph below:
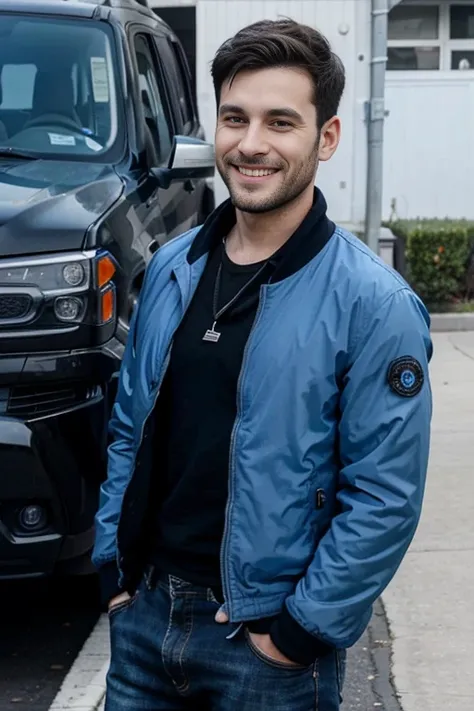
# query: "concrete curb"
88,698
83,688
442,323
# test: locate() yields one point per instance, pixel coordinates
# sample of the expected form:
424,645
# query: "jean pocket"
122,606
270,661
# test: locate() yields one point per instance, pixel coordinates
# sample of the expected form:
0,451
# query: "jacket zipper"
225,536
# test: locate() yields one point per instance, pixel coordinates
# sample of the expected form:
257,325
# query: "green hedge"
439,256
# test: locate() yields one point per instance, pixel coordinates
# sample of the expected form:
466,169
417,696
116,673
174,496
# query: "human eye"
234,120
282,125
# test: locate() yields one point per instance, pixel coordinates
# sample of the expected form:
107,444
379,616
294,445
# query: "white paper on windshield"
58,139
93,145
100,80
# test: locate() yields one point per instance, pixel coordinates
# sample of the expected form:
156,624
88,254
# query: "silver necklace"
211,335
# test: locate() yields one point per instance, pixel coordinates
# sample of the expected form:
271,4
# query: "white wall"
429,145
346,23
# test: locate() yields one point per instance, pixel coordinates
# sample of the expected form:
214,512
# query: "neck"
256,236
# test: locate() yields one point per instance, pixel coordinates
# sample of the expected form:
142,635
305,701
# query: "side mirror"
190,159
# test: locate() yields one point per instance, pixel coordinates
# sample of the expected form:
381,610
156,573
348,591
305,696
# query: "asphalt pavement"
369,682
43,625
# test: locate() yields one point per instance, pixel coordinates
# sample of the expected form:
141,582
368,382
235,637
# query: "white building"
429,129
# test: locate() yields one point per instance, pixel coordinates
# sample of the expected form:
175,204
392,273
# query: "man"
271,428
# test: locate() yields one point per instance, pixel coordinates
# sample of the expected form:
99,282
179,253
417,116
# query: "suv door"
178,83
161,211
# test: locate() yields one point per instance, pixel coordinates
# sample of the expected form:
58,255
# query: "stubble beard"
292,185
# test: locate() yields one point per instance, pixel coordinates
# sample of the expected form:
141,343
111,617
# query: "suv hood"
48,205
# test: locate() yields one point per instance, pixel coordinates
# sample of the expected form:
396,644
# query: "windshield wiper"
6,152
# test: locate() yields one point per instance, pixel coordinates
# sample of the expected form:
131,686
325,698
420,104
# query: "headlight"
68,308
74,274
70,288
48,276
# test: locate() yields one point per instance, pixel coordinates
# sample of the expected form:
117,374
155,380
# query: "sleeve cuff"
109,583
295,642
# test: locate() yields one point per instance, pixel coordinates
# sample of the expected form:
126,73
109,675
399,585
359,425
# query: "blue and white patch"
405,376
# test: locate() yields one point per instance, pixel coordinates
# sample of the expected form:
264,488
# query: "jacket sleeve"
384,434
119,470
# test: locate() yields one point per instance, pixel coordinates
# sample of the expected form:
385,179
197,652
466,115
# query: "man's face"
267,140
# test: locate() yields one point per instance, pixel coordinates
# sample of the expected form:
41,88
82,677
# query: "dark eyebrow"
284,111
230,109
287,113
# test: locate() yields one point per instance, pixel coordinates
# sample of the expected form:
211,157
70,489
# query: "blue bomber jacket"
330,444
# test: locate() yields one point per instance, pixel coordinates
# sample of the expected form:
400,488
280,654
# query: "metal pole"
376,117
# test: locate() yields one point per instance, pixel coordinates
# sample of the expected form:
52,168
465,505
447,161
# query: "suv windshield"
57,87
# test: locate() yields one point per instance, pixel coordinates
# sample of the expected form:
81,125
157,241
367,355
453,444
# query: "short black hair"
284,43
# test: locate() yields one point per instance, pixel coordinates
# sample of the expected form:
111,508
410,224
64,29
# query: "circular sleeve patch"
405,376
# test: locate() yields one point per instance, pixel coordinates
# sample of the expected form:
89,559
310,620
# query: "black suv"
102,160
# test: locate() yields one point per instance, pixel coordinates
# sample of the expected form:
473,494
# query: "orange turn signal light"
107,305
105,270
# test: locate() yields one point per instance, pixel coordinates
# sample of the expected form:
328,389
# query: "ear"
329,138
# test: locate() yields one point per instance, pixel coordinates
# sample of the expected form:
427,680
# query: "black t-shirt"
195,415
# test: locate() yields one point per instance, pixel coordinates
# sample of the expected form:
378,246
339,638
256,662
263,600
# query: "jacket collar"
304,244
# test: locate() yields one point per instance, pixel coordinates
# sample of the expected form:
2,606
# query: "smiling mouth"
256,172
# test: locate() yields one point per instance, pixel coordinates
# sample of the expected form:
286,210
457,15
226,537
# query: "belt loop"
150,577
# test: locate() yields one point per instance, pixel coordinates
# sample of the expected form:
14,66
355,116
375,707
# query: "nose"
253,141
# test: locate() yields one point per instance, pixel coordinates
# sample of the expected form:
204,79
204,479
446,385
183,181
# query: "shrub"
439,255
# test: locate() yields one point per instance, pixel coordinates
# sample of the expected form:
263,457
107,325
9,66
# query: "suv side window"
177,66
158,134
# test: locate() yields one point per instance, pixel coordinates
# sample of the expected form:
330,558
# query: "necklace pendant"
211,335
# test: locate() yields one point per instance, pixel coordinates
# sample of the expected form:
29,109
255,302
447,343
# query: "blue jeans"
167,652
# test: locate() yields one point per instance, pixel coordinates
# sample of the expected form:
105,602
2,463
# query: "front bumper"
52,455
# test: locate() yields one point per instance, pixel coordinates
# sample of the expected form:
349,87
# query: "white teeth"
256,173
